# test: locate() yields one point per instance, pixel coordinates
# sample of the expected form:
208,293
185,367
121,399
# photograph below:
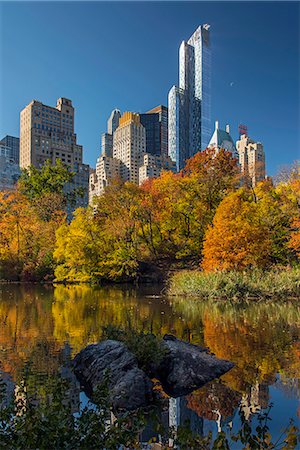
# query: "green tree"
45,188
49,179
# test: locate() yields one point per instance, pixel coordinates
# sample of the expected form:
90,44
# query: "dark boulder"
186,367
130,388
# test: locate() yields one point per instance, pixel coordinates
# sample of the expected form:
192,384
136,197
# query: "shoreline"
252,285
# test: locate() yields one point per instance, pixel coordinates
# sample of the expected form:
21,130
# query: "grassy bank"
236,285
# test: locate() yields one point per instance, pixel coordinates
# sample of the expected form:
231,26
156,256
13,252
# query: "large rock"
130,388
186,367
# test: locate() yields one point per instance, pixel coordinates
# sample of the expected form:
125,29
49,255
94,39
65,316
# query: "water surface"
40,325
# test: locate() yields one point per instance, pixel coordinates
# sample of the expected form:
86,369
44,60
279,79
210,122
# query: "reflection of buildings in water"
17,390
7,388
256,400
66,372
215,402
290,386
177,414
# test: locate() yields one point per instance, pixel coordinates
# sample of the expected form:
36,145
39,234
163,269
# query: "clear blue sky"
125,55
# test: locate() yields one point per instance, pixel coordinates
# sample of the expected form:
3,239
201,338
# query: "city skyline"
247,86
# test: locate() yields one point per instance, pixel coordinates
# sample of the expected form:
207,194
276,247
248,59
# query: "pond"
40,325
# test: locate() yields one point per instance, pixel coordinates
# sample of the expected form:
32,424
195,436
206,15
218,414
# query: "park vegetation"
49,422
201,217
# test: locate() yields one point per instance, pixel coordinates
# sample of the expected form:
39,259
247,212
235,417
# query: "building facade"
222,139
251,159
139,150
13,143
150,122
129,144
47,133
9,168
162,112
107,169
113,121
107,138
189,104
155,123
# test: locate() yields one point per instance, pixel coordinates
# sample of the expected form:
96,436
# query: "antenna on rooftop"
243,129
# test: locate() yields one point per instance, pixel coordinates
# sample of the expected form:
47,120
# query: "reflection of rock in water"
177,414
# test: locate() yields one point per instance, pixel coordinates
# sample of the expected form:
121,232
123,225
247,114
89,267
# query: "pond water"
39,325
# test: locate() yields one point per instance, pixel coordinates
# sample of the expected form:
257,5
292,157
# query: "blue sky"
106,55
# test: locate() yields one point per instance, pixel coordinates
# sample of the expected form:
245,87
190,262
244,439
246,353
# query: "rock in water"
130,388
186,367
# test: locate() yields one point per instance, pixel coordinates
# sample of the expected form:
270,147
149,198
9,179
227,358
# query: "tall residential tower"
47,133
189,104
251,159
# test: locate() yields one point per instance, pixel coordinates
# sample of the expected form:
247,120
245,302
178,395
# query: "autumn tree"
215,175
104,243
238,238
294,242
179,207
26,241
45,187
252,228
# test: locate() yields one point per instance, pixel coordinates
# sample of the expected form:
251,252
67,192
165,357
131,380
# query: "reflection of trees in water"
80,313
26,327
35,322
213,400
262,339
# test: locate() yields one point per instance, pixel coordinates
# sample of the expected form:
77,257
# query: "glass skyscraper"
189,104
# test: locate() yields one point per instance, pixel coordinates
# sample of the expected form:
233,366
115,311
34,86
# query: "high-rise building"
189,104
252,160
155,122
13,143
9,168
152,126
107,138
222,139
129,143
113,121
106,144
107,169
139,150
47,133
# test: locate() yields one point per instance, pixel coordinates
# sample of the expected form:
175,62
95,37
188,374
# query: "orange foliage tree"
294,242
238,238
178,207
26,241
255,227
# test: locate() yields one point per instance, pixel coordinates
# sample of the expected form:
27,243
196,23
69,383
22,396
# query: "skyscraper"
9,162
113,121
107,138
155,122
129,144
135,150
251,159
47,133
189,104
14,144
